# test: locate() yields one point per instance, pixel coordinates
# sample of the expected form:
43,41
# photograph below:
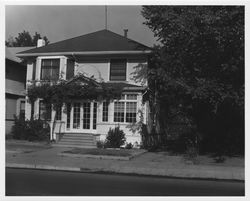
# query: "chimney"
40,42
125,33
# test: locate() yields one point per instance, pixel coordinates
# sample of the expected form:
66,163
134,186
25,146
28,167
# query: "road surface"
58,183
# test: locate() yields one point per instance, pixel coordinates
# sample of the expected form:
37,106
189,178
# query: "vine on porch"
78,88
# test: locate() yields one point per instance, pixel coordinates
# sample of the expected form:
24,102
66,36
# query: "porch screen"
118,69
50,69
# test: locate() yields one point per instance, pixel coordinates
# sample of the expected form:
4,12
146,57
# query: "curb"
171,173
126,158
109,157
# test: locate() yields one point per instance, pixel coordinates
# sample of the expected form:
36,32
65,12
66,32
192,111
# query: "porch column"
64,116
111,112
52,124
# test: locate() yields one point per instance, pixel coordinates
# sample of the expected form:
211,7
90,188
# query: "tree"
198,71
24,39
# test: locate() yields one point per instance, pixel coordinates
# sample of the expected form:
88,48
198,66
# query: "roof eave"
84,53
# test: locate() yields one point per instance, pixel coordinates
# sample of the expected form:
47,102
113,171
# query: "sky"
64,22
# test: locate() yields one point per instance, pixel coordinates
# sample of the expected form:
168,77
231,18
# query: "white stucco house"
105,56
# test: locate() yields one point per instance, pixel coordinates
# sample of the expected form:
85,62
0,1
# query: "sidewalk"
154,164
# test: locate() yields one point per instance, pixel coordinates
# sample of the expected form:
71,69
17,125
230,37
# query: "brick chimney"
125,33
40,42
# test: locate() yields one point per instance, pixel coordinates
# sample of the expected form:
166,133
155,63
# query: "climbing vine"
78,88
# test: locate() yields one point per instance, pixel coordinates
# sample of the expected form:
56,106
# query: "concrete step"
77,140
78,137
77,144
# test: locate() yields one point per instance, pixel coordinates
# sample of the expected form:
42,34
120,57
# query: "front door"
81,117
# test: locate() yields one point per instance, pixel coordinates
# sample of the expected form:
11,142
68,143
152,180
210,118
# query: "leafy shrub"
115,138
100,144
191,154
19,129
32,130
38,131
129,146
219,159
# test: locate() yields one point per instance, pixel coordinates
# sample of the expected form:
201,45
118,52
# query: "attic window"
50,69
118,69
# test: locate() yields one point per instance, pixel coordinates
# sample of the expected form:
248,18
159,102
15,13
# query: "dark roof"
103,40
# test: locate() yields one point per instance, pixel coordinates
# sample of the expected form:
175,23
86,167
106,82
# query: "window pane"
55,62
131,108
76,115
22,109
131,97
54,73
68,115
50,69
119,111
105,111
45,73
118,69
94,115
86,115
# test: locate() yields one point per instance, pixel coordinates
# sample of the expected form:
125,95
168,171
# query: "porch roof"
124,86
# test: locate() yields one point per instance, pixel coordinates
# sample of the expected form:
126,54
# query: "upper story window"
118,69
50,69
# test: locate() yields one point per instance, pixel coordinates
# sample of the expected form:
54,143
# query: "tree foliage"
197,73
24,39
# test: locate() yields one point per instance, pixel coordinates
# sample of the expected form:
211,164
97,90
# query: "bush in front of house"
38,130
100,144
115,138
19,129
129,146
31,130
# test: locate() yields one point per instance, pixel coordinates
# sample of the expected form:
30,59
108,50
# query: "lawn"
99,152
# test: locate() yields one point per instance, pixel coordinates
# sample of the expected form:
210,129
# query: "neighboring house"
109,58
15,80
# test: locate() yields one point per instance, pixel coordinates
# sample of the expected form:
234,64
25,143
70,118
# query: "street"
27,182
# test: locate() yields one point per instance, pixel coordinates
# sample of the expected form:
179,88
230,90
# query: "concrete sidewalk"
146,164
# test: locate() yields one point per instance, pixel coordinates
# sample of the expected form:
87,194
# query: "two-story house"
109,58
15,80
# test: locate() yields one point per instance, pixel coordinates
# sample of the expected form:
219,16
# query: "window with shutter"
118,69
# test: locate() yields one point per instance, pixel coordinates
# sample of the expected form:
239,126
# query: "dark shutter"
70,69
34,71
118,70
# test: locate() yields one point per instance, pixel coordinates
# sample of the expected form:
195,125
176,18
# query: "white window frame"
62,66
125,100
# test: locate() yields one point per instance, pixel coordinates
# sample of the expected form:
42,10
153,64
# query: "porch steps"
79,140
